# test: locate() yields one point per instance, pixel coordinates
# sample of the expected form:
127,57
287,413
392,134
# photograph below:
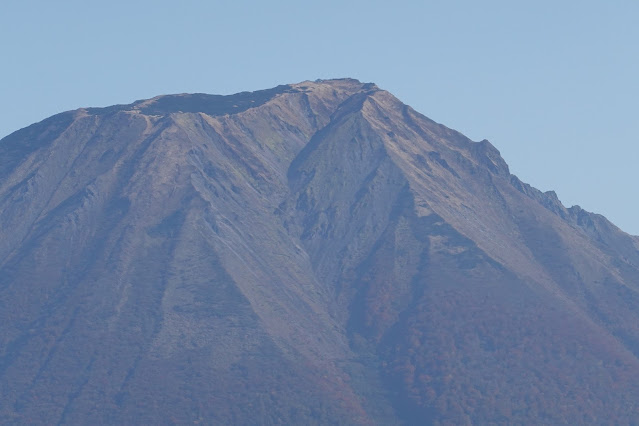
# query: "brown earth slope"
312,253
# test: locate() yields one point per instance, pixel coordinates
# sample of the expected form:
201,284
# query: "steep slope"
312,253
460,279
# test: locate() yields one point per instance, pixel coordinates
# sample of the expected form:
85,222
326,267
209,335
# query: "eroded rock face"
312,253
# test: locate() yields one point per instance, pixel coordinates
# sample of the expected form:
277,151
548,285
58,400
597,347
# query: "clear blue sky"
554,85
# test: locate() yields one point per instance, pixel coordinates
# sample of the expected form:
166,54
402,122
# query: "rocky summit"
315,253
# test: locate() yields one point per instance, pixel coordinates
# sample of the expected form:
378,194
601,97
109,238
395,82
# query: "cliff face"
312,253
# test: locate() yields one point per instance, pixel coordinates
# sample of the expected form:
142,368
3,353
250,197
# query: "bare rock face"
314,253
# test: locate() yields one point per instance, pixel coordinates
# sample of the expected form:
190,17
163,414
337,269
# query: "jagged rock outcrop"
312,253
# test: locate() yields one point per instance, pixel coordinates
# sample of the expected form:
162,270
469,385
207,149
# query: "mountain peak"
312,253
216,105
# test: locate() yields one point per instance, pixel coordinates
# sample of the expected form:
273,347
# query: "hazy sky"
554,85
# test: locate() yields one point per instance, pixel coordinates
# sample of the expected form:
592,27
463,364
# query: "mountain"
315,253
